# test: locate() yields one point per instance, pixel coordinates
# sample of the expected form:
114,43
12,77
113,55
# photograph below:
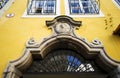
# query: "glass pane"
75,10
50,3
118,2
75,7
48,10
42,7
39,4
49,6
83,6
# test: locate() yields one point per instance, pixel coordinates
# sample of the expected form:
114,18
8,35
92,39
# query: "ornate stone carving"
31,41
62,38
63,25
63,61
96,43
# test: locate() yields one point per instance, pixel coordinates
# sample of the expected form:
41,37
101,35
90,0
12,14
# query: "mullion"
55,5
70,6
47,2
74,4
35,8
31,4
50,64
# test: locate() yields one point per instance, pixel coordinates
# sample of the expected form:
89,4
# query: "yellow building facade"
17,30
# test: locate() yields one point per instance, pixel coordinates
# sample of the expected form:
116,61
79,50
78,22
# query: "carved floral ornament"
62,38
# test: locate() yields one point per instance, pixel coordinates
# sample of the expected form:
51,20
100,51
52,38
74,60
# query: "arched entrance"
64,63
63,54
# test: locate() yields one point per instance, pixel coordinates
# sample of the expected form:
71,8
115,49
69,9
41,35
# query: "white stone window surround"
6,7
25,15
67,12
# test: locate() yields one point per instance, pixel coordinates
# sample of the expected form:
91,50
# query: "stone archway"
63,39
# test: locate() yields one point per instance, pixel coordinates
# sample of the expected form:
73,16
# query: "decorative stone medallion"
63,25
62,28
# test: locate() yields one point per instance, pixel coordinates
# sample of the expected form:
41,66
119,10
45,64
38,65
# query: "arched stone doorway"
63,54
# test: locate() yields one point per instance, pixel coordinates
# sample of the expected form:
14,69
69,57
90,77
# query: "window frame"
116,4
67,12
56,10
3,3
5,7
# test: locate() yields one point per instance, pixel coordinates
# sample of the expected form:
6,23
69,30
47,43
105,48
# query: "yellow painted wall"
15,31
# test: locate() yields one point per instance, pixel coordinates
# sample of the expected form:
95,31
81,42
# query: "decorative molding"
39,50
96,43
63,25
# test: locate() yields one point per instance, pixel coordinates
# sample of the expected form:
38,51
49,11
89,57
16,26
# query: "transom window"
66,64
41,7
2,3
63,61
83,7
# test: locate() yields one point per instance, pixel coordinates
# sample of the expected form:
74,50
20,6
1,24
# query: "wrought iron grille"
41,7
2,3
84,6
63,61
